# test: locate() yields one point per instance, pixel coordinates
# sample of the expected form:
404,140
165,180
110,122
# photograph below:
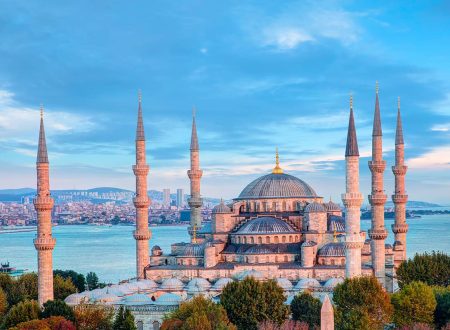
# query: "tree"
24,311
52,323
306,308
414,303
24,288
93,317
287,325
432,269
199,313
124,320
63,287
57,308
3,303
60,323
32,325
77,279
92,280
361,303
6,283
442,311
250,302
416,326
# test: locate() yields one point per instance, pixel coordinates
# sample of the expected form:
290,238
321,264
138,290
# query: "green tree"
24,288
93,317
124,320
3,303
77,279
432,269
250,302
306,308
361,303
52,323
24,311
6,284
63,287
92,280
199,313
414,303
442,311
57,308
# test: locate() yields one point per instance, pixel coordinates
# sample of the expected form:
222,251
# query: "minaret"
352,200
400,228
43,203
377,198
141,201
195,173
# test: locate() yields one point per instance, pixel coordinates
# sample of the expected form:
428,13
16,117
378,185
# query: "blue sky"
261,74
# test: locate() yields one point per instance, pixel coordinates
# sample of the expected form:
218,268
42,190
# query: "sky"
261,74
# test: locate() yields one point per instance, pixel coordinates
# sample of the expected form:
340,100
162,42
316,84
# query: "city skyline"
283,81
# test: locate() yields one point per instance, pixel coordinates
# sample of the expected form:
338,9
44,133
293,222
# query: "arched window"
156,325
267,259
256,260
190,262
260,240
283,206
252,240
166,262
245,240
140,325
246,259
276,239
283,239
290,239
342,262
267,240
332,262
286,259
276,258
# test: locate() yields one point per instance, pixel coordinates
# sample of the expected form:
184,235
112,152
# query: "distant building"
166,197
180,194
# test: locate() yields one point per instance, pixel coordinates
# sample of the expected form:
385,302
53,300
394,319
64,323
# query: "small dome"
156,248
167,299
221,283
94,293
137,299
315,208
332,207
131,286
284,283
259,249
307,283
198,284
120,289
172,284
107,298
265,225
332,282
146,284
250,273
221,208
76,299
276,185
192,250
332,250
309,244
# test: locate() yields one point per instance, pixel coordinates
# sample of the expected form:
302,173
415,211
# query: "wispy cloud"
436,159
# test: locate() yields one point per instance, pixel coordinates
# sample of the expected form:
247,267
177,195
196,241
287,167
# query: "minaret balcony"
195,202
44,243
399,170
43,203
377,199
377,166
400,228
194,173
400,198
141,201
352,199
141,170
353,245
141,235
377,234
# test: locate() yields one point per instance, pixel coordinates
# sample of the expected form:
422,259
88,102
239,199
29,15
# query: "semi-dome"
146,284
168,299
198,284
107,298
221,283
307,283
76,299
137,299
334,249
221,208
309,244
277,185
332,207
172,284
265,225
192,250
332,282
315,208
284,283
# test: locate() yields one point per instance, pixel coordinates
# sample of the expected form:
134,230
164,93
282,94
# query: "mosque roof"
172,284
336,223
107,298
146,284
315,208
332,282
250,273
284,283
335,249
221,283
277,185
221,208
263,248
331,206
76,299
307,283
168,299
198,284
265,225
137,299
192,250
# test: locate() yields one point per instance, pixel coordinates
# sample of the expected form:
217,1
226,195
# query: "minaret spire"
141,201
352,199
195,173
43,203
400,227
377,198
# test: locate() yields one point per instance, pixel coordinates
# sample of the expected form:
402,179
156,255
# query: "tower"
43,203
141,201
180,196
195,173
377,198
400,227
352,200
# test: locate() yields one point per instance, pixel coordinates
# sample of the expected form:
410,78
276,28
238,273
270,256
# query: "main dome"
277,185
265,225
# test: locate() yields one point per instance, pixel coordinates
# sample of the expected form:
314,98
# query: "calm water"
110,251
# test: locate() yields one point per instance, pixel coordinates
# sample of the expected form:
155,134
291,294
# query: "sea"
110,251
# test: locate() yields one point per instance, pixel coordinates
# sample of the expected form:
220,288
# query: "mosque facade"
278,228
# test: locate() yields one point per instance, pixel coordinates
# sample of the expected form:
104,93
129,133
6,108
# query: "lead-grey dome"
332,250
277,185
265,225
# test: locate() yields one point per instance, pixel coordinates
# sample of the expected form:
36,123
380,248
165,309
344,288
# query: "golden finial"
277,169
42,110
351,101
398,103
376,87
140,95
194,234
334,236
